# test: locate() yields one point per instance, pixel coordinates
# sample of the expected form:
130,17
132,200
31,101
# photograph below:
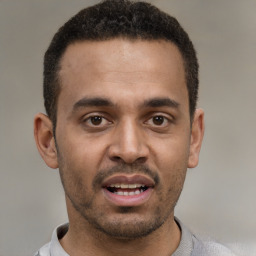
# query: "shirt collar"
185,247
55,246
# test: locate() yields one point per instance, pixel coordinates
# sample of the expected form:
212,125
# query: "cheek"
171,153
76,168
81,150
171,159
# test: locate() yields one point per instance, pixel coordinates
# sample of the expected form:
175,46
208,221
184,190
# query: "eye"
158,121
96,121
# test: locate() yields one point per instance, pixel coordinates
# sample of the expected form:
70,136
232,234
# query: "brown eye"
158,120
96,120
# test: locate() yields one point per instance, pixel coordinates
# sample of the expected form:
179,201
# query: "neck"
84,240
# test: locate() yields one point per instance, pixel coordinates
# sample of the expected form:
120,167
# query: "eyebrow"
92,102
103,102
160,102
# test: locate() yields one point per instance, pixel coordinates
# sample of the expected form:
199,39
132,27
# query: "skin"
133,137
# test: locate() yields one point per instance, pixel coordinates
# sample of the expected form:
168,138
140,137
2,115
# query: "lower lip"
128,201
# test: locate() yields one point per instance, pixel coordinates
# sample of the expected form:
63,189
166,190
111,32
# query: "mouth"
128,191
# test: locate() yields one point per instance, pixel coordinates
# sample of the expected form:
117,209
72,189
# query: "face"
123,134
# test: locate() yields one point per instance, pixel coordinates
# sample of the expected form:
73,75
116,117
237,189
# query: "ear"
43,134
197,134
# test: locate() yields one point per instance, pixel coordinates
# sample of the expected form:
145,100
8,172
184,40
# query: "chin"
130,230
127,225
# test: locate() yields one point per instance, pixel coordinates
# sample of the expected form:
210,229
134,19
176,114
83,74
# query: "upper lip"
129,179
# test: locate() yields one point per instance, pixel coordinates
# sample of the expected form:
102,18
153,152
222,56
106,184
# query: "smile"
129,191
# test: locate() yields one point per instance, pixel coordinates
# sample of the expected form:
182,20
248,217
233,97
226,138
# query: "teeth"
120,193
133,185
126,185
115,185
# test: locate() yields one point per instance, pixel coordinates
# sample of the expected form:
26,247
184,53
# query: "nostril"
116,159
120,160
128,153
141,160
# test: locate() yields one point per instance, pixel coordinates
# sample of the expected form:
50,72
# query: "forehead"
122,66
123,55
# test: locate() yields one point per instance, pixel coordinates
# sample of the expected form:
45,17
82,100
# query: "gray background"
219,198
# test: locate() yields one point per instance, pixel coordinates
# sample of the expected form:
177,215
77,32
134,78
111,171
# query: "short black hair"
117,19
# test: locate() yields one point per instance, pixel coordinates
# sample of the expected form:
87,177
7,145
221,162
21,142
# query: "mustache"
125,169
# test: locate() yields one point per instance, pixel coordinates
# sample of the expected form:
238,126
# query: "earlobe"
197,134
43,134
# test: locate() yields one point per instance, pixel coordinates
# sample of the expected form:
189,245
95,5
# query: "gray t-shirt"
190,245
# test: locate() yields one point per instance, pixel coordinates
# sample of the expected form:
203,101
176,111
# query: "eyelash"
163,118
89,119
105,122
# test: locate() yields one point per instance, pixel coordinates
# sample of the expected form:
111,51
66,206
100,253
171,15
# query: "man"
120,90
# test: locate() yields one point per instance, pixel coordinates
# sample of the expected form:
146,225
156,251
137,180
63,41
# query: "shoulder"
210,248
54,248
196,245
43,251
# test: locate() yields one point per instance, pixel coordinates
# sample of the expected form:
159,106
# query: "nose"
129,144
